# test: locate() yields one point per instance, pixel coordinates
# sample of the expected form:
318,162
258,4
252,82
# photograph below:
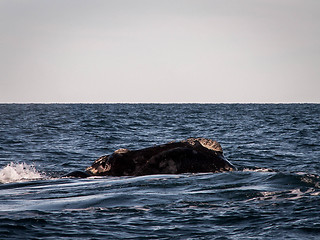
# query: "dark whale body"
194,155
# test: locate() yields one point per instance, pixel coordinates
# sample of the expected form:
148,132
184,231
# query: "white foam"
15,172
258,170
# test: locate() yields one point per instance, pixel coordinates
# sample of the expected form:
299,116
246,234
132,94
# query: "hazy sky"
160,51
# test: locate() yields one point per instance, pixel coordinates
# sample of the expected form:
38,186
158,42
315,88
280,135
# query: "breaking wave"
15,172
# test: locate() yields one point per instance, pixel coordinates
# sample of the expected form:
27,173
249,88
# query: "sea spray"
15,172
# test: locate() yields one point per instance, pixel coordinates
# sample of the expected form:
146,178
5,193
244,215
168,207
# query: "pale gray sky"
159,51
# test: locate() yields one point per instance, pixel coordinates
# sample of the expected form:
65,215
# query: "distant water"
275,194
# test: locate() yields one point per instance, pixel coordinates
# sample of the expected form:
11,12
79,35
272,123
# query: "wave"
16,172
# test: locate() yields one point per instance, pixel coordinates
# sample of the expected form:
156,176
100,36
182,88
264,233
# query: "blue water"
274,194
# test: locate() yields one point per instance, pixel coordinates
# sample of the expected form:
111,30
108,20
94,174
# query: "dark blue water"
275,193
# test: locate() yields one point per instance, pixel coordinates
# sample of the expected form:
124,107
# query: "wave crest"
15,172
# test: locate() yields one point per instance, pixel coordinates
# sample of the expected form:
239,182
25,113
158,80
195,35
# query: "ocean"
274,194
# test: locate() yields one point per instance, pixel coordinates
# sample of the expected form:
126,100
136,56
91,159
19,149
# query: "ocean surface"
275,194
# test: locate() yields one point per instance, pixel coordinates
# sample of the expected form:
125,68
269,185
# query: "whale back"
192,155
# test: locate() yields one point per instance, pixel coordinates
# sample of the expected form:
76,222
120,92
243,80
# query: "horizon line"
159,102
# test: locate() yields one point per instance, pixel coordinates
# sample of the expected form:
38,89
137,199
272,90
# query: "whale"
193,155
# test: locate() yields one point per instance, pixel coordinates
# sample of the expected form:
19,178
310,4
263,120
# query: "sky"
166,51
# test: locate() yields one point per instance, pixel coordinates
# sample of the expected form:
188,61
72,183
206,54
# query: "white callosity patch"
207,143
